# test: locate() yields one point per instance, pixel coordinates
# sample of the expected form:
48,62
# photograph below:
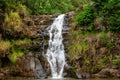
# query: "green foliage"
110,9
22,10
87,45
8,5
79,3
13,47
15,54
48,6
105,40
16,50
21,42
78,46
12,23
116,62
73,68
102,35
114,22
85,17
2,5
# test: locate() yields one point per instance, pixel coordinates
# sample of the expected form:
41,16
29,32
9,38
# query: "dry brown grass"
4,45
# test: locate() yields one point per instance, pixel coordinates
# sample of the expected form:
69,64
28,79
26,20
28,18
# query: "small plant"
116,62
22,10
105,40
21,41
15,55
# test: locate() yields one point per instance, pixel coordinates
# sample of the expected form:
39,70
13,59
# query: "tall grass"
13,22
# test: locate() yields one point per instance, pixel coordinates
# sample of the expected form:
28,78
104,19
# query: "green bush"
2,5
116,62
110,10
48,6
12,23
114,22
15,55
16,50
85,17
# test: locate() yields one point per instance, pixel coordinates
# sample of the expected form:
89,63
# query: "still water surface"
19,78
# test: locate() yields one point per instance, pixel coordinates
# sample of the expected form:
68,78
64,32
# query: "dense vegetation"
40,6
94,36
100,13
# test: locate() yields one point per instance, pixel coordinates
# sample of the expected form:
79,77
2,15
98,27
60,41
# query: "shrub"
110,10
2,5
17,51
48,6
116,62
114,22
85,17
15,55
78,3
22,10
12,23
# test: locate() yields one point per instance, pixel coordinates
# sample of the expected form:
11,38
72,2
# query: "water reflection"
84,79
22,78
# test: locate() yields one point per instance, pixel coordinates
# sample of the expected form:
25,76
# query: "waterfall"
55,52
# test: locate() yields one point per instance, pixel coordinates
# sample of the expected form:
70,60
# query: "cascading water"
55,52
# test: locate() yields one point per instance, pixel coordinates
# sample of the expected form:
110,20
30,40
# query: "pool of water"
84,79
22,78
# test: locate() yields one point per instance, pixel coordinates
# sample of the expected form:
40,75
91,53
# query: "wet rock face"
25,65
38,23
30,66
32,63
41,19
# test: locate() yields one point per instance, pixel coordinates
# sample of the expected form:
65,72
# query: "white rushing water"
55,52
